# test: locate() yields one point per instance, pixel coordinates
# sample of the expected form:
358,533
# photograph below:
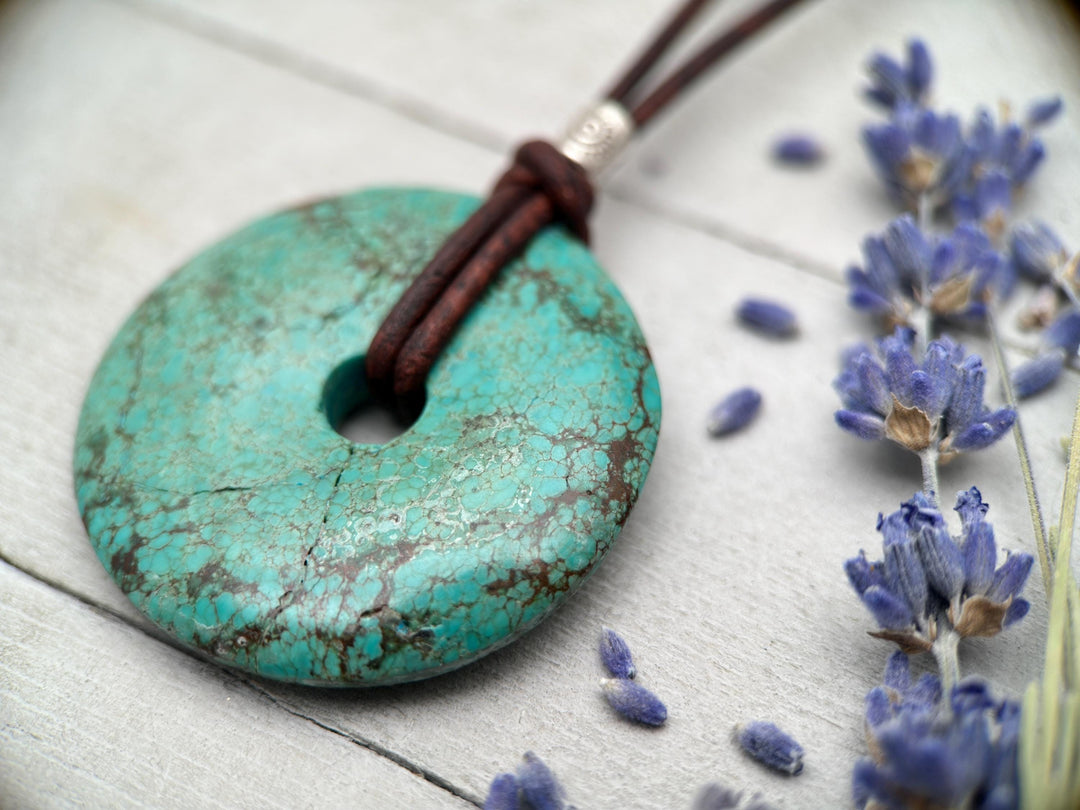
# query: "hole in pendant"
353,413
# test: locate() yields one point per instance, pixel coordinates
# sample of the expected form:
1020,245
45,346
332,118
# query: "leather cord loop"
541,185
539,165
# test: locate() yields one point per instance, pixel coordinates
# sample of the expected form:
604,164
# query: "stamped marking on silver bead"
597,136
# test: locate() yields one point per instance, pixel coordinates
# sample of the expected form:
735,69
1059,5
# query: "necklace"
219,496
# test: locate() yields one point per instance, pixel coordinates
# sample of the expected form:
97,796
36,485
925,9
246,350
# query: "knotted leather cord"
541,184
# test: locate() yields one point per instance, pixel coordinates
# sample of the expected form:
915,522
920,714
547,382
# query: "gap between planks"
282,57
257,689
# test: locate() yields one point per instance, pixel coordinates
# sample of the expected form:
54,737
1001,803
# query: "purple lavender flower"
503,793
1037,374
770,746
734,412
539,787
1037,252
920,154
933,406
928,752
988,203
930,581
767,317
1009,148
634,702
892,84
953,276
615,653
798,150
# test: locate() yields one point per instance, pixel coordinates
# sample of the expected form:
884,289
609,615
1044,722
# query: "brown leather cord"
708,56
655,50
425,290
541,184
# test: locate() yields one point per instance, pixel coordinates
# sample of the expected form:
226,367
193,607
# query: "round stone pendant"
219,496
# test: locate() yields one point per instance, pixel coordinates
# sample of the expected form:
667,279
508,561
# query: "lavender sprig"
905,271
928,750
933,408
932,585
955,745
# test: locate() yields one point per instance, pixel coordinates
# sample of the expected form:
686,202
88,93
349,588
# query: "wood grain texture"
90,716
132,134
706,160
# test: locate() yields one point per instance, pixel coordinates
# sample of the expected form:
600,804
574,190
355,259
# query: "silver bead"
597,136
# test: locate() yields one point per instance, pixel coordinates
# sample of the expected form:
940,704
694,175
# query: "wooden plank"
727,579
707,160
92,716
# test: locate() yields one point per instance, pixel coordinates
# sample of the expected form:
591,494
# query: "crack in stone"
286,597
213,491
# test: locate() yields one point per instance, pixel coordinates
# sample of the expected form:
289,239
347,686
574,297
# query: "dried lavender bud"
915,405
767,317
503,793
932,749
539,786
1038,373
770,746
615,653
634,702
798,150
734,412
717,797
1037,252
1044,111
1064,332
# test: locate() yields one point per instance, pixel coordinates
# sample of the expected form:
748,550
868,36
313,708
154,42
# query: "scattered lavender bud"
717,797
503,793
634,702
734,412
1064,332
770,746
1044,111
768,317
538,784
798,150
1038,373
615,653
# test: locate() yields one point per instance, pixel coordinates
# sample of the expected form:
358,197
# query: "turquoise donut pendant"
219,496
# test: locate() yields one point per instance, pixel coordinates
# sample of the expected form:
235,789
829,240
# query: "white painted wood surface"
134,133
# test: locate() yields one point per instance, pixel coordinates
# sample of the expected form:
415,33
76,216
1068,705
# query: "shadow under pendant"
221,499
